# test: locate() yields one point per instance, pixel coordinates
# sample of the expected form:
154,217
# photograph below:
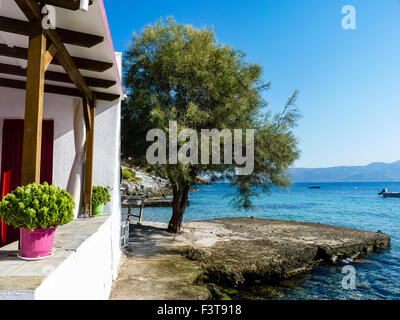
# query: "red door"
11,164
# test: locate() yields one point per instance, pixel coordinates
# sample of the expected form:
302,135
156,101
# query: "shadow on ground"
155,268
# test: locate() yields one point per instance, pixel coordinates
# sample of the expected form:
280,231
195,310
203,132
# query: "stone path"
154,268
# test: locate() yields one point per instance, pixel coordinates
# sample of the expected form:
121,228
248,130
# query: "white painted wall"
87,274
100,254
107,151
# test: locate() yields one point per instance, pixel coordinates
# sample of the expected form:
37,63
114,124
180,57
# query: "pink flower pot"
36,244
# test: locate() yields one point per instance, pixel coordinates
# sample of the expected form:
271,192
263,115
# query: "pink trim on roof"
103,11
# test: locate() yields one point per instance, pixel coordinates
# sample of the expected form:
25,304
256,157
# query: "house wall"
107,151
60,109
106,171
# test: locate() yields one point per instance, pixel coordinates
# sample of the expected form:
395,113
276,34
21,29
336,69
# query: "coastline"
232,253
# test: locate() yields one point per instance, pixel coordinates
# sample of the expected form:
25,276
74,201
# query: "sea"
350,204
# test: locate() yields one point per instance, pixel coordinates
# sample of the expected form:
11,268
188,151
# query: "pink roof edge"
103,11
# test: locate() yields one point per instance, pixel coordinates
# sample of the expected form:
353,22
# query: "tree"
179,73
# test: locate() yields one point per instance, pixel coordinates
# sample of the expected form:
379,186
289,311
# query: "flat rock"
240,251
231,252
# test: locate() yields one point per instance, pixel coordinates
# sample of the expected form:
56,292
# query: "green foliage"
130,175
37,206
180,73
100,196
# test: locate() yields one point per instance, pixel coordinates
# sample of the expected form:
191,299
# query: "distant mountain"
374,172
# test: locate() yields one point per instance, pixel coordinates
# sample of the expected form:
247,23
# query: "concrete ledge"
83,267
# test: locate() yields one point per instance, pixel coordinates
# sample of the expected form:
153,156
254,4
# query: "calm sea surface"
354,205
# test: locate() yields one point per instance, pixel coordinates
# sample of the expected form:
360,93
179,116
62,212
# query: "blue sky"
349,80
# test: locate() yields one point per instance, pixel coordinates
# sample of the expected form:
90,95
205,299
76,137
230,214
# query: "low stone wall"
83,267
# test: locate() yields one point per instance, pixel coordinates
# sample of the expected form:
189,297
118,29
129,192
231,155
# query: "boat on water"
314,187
386,194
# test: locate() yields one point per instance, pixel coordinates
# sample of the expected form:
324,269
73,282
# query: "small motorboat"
314,187
386,194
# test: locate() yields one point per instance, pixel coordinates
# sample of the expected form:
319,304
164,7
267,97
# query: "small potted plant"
101,196
37,210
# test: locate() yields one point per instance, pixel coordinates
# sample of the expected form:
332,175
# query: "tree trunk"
179,204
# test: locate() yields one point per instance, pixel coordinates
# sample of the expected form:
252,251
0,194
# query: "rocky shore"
232,253
152,187
147,188
238,252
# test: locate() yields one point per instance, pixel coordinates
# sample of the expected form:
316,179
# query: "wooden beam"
79,38
13,52
92,82
30,8
69,65
86,112
55,76
66,4
32,11
67,36
76,93
48,88
86,64
34,107
88,189
49,55
81,63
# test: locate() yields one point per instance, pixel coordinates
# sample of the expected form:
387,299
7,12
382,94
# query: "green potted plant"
37,210
100,197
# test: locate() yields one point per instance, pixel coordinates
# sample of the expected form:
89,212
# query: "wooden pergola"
47,47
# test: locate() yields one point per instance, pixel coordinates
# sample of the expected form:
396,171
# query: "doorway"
11,164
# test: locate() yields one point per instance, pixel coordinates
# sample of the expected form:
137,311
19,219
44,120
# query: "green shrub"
37,206
100,196
130,175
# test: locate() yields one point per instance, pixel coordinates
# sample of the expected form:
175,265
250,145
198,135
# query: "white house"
60,104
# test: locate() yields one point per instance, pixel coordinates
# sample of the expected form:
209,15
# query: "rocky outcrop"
239,252
148,187
201,181
153,187
210,259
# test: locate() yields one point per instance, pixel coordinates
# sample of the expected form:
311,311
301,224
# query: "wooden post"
34,106
141,213
88,190
129,213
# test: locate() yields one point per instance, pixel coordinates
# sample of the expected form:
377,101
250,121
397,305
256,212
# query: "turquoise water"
378,276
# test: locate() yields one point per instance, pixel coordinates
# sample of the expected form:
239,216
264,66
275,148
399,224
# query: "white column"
75,181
